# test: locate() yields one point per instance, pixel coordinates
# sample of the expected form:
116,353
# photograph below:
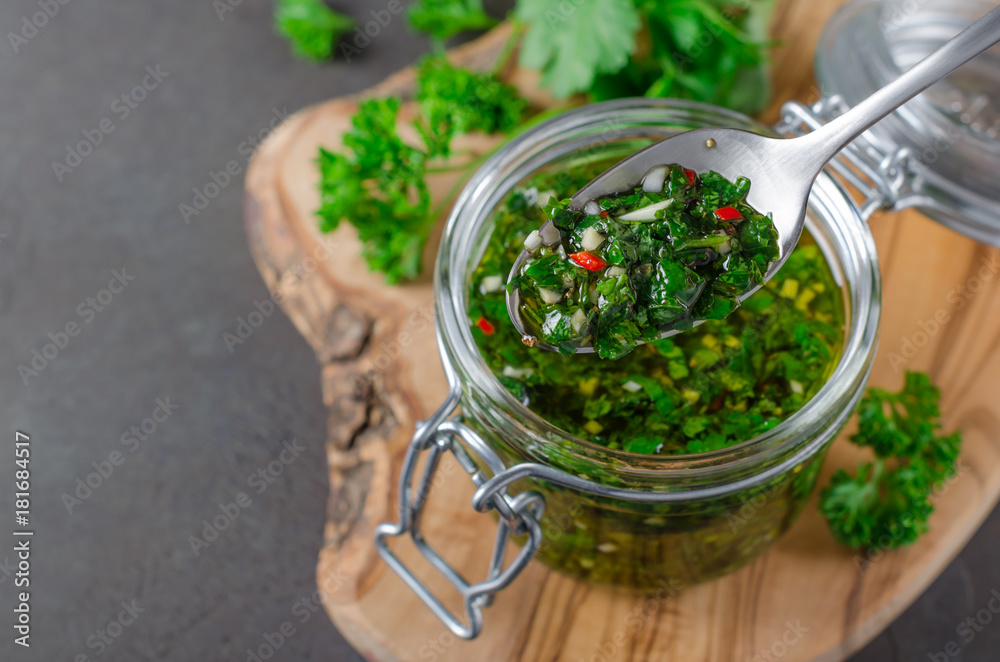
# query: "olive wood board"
806,599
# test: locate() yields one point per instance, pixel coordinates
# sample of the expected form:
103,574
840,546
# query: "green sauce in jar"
714,386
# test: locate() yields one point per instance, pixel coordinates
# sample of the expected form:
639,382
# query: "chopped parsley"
716,385
676,249
887,502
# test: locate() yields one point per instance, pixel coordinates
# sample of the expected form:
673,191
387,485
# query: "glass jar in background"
951,131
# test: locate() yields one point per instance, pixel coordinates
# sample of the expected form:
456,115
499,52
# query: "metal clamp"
884,178
519,515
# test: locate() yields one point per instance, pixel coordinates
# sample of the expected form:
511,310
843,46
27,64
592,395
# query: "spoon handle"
827,141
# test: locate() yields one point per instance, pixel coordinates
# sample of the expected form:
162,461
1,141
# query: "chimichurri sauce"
707,388
678,248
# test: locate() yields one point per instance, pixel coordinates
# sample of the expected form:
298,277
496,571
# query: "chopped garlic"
653,181
607,548
578,320
614,272
533,241
647,213
632,387
549,296
592,208
549,234
491,284
795,386
517,373
591,239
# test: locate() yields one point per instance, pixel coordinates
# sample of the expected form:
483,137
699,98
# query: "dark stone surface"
161,337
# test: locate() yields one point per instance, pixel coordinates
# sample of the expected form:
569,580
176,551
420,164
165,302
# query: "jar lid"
952,130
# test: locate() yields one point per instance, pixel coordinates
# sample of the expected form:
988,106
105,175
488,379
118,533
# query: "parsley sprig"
889,498
706,50
378,181
446,18
310,27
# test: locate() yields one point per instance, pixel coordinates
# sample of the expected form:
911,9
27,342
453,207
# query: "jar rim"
803,433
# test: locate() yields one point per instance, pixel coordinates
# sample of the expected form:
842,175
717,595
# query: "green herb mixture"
711,387
676,249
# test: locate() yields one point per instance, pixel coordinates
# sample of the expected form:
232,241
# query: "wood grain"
807,599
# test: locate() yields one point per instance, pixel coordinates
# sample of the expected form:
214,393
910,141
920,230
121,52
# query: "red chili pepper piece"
485,326
690,175
728,214
588,261
605,214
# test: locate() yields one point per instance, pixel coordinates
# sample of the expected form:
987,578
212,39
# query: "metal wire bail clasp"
881,173
518,515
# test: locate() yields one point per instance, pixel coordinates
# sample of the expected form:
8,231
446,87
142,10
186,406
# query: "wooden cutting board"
807,599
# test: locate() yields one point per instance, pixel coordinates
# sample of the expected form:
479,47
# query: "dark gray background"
162,337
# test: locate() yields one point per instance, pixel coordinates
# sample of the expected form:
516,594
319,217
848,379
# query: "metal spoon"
782,170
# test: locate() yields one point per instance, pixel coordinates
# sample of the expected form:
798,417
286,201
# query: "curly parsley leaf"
311,27
572,42
445,18
454,101
887,502
380,189
378,181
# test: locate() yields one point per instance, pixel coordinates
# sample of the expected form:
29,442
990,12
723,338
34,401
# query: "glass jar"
614,517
